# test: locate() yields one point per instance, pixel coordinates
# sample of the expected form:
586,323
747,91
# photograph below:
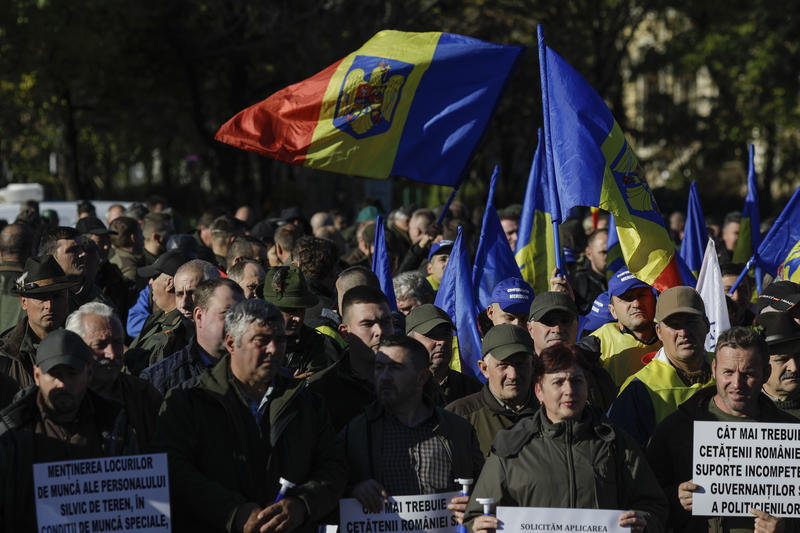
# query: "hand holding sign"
634,520
371,495
765,523
685,492
285,515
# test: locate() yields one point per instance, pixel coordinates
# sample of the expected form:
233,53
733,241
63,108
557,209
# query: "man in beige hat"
678,370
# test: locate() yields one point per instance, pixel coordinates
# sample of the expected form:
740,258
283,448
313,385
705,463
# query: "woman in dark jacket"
567,456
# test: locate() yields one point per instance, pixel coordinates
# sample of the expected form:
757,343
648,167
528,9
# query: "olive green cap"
545,302
505,340
285,286
425,317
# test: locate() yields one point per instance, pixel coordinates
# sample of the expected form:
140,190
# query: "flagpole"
548,157
447,205
743,274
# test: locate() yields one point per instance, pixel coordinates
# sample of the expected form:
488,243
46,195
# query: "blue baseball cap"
441,247
600,313
513,296
569,255
622,281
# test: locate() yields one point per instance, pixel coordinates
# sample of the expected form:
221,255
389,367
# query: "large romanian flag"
595,166
404,104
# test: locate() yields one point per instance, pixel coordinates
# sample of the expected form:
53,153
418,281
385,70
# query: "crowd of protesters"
251,351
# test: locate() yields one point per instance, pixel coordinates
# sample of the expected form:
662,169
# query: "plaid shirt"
415,460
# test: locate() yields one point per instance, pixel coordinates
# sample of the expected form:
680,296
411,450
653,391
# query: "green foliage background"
128,95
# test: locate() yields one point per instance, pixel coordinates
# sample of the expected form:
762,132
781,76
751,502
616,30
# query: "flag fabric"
494,260
595,166
614,259
455,296
380,264
709,285
750,223
404,104
695,235
535,253
779,252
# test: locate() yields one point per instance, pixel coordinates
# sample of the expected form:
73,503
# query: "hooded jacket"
584,463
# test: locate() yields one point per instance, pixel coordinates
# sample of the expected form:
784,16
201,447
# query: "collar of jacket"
696,407
218,382
591,425
23,410
489,399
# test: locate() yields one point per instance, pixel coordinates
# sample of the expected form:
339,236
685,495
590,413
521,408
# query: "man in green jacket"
507,396
381,444
164,332
245,425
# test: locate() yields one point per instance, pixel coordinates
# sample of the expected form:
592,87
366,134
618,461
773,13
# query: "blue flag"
614,260
695,236
750,223
494,260
456,298
779,253
535,253
381,266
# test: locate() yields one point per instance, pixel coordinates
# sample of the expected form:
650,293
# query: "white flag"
709,285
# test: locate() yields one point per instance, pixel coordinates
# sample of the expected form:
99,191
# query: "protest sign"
129,493
739,465
426,512
551,519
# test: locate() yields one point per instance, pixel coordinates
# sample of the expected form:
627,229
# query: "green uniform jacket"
219,461
362,440
18,452
670,454
10,307
161,335
142,402
575,464
487,416
18,352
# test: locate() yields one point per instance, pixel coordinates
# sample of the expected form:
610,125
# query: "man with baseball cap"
437,260
507,396
42,290
623,343
680,368
434,330
164,332
553,319
511,302
307,351
781,296
782,335
58,419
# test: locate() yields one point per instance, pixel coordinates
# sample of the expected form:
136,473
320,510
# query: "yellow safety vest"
667,390
433,282
332,333
621,353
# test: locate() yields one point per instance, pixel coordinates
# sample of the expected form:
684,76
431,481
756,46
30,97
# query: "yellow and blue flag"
695,236
779,252
595,166
404,104
494,260
535,253
455,296
381,266
750,223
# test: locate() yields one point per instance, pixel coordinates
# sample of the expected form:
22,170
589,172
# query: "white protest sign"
552,519
129,493
739,465
426,512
